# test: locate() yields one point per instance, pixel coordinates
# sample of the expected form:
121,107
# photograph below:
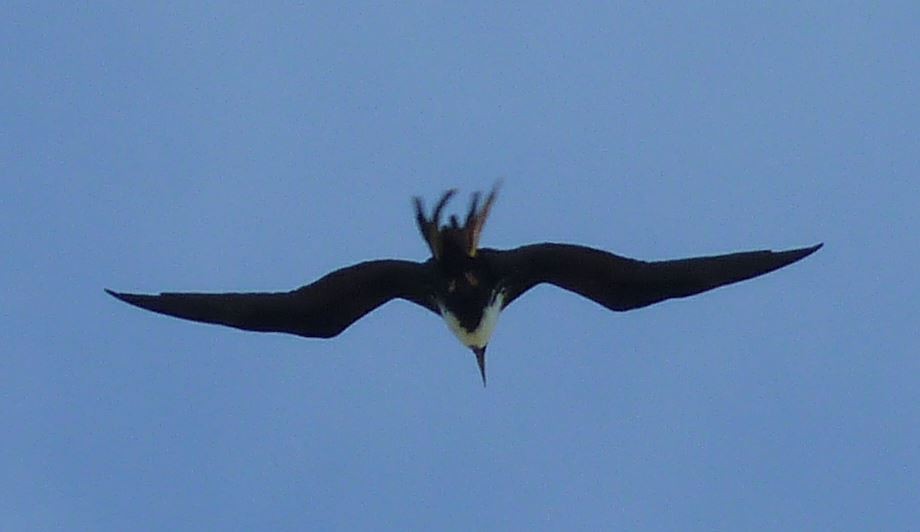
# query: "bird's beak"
480,353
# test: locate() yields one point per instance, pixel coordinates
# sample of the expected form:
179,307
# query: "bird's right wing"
621,283
320,310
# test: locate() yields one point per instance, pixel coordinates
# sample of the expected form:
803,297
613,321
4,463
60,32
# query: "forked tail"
467,235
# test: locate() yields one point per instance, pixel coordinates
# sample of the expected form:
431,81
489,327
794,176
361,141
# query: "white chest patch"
478,337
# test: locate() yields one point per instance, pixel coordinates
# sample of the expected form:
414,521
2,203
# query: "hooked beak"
480,353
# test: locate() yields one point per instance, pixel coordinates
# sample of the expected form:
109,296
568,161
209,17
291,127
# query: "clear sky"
157,146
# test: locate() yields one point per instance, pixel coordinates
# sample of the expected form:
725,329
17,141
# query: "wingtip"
790,256
809,250
117,295
121,296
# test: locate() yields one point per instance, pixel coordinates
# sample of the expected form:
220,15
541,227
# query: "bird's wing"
621,283
322,309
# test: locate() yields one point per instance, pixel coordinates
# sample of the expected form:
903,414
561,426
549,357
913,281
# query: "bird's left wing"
621,283
321,309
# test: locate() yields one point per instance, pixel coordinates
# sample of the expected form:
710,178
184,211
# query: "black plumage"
467,285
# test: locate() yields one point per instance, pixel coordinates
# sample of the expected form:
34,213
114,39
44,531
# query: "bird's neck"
479,334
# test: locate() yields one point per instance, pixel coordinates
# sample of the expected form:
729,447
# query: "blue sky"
158,146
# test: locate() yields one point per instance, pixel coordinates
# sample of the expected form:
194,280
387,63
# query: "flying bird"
466,285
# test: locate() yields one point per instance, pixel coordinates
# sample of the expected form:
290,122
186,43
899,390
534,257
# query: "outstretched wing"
620,283
322,309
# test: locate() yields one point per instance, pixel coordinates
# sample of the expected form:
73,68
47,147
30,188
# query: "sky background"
215,147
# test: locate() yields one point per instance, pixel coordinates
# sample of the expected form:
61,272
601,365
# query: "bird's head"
474,336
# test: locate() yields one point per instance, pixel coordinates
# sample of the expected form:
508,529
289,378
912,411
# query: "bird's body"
466,285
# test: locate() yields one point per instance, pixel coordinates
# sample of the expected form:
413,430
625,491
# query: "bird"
465,284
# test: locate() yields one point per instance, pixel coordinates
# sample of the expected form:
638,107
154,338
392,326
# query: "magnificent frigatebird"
466,285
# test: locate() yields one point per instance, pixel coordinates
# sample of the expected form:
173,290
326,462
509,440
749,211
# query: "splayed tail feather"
466,236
